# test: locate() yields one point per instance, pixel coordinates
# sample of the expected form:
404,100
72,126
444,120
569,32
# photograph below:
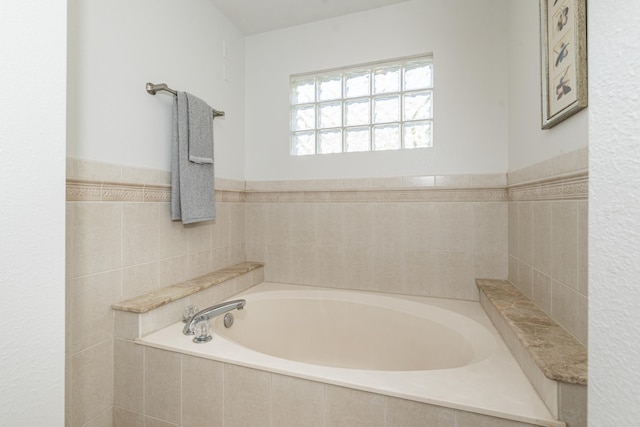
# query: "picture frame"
563,51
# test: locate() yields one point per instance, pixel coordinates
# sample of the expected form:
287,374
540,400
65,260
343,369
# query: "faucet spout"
211,312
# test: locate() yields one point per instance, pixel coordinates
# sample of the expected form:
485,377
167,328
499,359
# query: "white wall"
614,245
528,143
32,172
468,41
116,46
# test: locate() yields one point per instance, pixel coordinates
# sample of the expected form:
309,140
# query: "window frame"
299,101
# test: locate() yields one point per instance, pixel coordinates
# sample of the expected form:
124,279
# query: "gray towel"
192,176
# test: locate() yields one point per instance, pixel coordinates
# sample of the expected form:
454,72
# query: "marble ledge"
147,302
557,353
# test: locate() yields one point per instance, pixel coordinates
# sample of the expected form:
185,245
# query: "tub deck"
494,386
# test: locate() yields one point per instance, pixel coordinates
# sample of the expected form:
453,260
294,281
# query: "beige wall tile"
126,325
525,279
247,396
139,175
513,230
172,239
128,375
221,258
124,418
97,243
304,264
140,233
542,237
140,279
329,224
421,269
91,315
490,240
513,269
583,241
525,232
453,227
296,402
573,404
420,225
154,422
97,171
565,307
198,237
236,223
302,228
202,392
91,382
162,385
68,387
200,263
277,263
278,222
405,413
220,228
469,419
564,248
104,419
388,223
173,270
353,408
541,295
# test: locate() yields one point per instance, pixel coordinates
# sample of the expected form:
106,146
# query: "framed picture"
563,49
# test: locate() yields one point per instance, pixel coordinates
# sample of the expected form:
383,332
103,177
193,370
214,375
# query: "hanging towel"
192,175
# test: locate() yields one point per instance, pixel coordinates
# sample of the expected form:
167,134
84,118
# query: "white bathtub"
436,351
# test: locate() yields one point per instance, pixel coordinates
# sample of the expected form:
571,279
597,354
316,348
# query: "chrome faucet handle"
188,312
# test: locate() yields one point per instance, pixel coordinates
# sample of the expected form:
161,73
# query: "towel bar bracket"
152,89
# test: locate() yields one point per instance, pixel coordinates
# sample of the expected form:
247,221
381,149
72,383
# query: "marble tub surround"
553,360
147,302
558,354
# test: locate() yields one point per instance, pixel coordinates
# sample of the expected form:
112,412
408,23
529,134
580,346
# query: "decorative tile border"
573,186
380,196
566,187
94,191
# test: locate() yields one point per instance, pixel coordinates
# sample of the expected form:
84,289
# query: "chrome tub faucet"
211,312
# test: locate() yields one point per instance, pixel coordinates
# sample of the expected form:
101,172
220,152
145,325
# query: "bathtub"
436,351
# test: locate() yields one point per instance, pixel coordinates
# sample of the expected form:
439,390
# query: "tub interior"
324,329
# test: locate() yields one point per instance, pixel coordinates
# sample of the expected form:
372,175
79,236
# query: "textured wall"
32,135
614,117
528,143
116,46
468,40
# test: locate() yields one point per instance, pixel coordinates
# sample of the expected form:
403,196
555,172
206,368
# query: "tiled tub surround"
427,236
170,379
553,360
548,238
424,236
121,242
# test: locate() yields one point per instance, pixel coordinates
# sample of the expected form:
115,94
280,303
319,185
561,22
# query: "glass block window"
373,107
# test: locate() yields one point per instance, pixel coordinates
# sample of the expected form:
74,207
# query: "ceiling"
257,16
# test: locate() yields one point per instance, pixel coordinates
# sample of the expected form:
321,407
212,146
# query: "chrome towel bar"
152,89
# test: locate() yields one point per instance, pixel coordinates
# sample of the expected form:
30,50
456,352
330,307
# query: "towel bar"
152,89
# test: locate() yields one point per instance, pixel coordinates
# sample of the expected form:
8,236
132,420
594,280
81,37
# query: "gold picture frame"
563,51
